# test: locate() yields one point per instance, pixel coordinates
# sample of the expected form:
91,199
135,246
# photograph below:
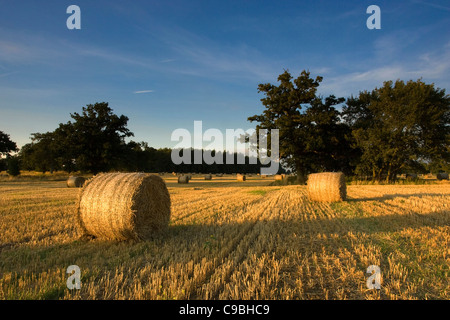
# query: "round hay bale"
278,177
327,187
208,177
124,206
75,182
183,179
442,176
240,177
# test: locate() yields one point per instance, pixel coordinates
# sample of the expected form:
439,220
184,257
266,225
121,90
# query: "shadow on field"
210,234
393,196
181,245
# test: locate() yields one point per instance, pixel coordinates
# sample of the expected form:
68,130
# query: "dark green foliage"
93,142
312,138
399,127
3,165
13,166
95,138
6,145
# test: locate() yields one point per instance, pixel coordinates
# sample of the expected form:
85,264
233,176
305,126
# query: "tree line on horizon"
94,141
398,128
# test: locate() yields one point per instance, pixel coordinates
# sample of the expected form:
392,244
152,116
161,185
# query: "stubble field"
233,240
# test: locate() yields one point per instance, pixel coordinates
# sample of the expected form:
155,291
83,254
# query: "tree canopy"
380,133
311,135
92,142
399,126
6,144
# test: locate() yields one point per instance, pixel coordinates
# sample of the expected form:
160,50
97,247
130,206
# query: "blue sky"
165,64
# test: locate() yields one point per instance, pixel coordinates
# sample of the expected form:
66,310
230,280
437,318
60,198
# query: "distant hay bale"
327,187
174,173
75,182
183,179
124,206
278,177
208,177
240,177
442,176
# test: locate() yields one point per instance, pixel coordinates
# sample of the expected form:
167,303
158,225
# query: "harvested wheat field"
229,240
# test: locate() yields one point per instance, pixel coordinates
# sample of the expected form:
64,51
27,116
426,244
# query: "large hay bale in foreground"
327,187
183,179
240,177
442,176
75,182
122,206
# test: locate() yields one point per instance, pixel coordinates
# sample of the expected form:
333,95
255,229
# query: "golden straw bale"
327,187
183,179
240,177
75,182
442,176
123,206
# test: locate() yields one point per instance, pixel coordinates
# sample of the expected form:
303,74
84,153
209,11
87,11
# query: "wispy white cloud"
205,57
431,4
393,58
16,52
143,91
2,75
20,48
118,57
431,67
